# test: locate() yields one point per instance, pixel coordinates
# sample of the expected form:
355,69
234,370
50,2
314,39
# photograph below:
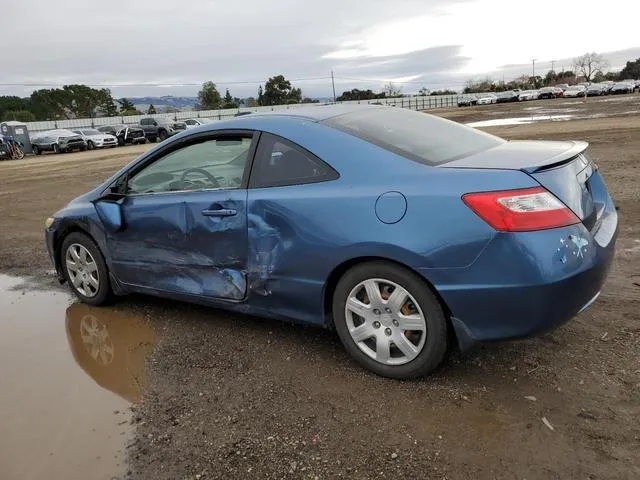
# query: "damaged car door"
185,220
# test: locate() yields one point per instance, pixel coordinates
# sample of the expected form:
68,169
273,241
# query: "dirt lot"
237,397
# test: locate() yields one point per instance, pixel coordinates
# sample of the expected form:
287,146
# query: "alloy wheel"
83,270
385,321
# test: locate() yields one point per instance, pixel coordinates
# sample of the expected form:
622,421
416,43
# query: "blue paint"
273,257
391,207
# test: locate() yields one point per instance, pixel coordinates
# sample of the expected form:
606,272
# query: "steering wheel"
183,179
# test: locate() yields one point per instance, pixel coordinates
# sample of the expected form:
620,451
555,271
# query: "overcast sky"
181,43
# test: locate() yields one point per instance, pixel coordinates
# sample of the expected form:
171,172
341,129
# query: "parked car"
595,90
487,99
125,134
508,96
547,93
96,138
160,128
57,141
621,88
468,101
196,122
575,91
446,233
528,95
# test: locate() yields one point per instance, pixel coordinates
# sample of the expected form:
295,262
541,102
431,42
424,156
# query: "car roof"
316,113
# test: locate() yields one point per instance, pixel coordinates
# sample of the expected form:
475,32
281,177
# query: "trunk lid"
564,168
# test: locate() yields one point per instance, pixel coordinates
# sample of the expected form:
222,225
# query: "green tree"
357,94
50,103
18,115
630,70
151,110
550,78
13,104
252,102
310,100
229,101
278,91
209,97
127,108
423,91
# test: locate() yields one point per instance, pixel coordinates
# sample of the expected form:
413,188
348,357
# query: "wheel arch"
63,232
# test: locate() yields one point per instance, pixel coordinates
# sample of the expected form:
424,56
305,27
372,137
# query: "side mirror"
110,213
155,124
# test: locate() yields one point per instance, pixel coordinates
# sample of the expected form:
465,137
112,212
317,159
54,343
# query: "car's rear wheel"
85,270
389,320
36,150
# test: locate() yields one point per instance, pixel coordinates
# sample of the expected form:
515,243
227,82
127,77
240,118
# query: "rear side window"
279,162
146,121
417,136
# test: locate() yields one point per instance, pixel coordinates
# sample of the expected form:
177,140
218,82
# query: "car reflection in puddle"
111,347
65,414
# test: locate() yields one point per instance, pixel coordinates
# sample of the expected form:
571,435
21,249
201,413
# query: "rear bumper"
524,284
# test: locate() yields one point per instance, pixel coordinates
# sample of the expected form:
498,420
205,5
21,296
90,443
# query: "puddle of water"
68,373
497,122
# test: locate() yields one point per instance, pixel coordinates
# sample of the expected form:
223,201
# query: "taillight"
521,210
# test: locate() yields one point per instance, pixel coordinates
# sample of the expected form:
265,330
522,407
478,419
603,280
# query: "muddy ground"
231,396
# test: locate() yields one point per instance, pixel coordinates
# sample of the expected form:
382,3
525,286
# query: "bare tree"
589,64
391,90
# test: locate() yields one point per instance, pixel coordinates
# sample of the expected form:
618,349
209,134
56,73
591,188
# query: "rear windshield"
417,136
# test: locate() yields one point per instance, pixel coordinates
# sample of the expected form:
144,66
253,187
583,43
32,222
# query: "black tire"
121,142
104,293
153,139
90,145
56,148
162,135
436,341
36,150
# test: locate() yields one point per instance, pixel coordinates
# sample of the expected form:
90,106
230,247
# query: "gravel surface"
232,396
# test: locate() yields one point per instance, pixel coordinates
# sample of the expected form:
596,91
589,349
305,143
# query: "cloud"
165,42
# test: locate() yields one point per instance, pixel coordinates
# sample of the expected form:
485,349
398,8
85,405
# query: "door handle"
221,212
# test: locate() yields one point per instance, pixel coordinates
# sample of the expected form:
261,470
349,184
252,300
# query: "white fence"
414,103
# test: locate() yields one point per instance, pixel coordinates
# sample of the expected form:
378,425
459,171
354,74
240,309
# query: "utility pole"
553,63
333,85
533,66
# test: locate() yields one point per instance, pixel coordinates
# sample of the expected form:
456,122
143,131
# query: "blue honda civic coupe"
404,232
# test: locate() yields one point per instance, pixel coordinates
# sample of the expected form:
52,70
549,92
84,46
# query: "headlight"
48,222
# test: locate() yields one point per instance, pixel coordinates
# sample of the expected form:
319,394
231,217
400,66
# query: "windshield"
417,136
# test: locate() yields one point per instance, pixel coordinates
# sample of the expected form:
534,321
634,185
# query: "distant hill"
181,103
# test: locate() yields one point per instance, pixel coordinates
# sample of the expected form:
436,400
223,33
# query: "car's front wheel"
36,150
85,270
389,320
